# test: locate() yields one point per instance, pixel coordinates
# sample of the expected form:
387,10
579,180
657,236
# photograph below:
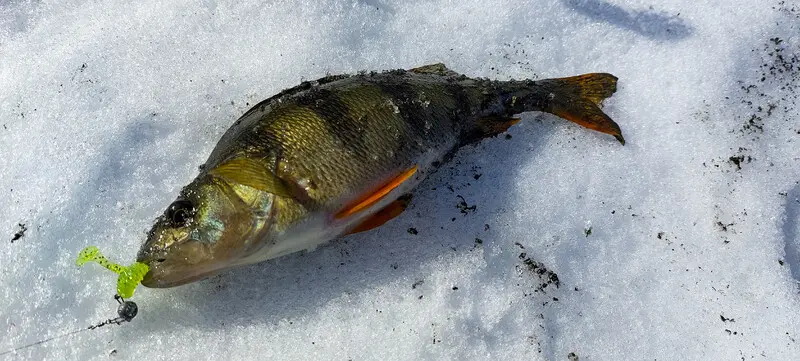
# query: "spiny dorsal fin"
438,69
252,173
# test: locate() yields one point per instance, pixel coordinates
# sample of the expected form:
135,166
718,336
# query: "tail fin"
578,99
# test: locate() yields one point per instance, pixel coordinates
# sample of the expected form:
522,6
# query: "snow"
682,245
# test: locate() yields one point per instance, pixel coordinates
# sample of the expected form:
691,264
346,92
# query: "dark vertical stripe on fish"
404,97
336,115
463,112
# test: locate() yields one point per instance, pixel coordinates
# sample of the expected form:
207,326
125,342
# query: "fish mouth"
166,271
164,276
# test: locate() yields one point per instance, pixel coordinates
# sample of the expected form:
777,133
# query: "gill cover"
209,228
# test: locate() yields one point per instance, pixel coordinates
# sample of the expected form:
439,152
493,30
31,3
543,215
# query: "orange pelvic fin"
373,197
394,209
578,99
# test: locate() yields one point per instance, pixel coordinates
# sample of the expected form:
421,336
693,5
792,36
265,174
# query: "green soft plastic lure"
129,277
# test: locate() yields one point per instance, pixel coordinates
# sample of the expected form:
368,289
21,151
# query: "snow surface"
682,245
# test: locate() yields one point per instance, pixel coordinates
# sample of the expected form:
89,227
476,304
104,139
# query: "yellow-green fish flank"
341,155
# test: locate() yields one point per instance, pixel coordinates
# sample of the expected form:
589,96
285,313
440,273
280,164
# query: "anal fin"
492,125
392,210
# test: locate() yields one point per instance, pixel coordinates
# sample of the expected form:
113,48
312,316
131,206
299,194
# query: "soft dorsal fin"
438,69
376,195
252,173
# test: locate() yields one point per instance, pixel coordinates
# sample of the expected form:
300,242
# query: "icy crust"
549,243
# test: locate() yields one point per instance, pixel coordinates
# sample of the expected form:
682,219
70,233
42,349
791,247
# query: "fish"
342,155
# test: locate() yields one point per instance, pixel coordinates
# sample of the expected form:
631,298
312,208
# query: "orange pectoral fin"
394,209
376,195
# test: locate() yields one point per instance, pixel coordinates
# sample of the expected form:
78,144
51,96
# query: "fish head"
210,227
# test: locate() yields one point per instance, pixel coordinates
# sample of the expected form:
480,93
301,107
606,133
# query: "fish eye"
179,212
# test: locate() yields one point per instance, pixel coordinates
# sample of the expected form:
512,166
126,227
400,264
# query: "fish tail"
578,99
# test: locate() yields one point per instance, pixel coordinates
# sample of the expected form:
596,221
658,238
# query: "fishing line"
126,311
